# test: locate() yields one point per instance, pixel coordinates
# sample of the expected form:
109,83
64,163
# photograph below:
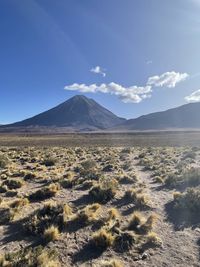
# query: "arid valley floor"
100,201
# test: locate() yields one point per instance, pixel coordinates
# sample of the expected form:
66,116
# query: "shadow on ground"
15,232
181,218
83,200
87,253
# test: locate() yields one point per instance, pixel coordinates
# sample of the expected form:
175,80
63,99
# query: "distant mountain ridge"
78,113
184,117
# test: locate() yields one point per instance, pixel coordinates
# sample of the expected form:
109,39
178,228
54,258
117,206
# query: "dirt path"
180,248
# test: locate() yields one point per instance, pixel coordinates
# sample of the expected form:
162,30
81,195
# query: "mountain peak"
79,97
77,113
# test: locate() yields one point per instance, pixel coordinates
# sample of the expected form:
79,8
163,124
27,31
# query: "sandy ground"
180,247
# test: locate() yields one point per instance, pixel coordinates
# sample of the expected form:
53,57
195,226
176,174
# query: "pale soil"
179,247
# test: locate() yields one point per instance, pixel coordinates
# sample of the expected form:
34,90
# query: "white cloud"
194,97
133,94
168,79
98,70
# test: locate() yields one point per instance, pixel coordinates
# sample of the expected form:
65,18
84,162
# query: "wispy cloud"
167,79
148,62
98,70
131,94
193,97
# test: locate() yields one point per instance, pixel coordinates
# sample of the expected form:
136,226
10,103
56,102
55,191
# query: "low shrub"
113,214
189,177
136,195
30,257
3,161
52,233
153,240
103,239
29,176
136,221
49,161
88,164
88,214
105,190
147,226
111,263
50,214
19,203
13,183
190,200
140,225
124,241
7,215
44,193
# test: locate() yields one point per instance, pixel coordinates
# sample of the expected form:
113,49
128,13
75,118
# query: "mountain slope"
183,117
79,112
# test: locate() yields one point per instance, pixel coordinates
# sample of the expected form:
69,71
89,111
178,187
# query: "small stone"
144,256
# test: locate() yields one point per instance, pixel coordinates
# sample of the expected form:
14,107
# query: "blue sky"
49,45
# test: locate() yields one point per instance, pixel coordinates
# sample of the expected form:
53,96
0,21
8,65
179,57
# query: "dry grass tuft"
111,263
152,239
103,239
29,257
44,193
88,214
139,198
136,221
52,233
105,190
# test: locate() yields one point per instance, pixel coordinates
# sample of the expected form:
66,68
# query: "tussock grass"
29,257
105,190
7,215
49,161
3,161
111,263
44,193
13,183
51,214
190,177
88,214
189,201
152,239
52,233
140,224
103,239
18,203
138,197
